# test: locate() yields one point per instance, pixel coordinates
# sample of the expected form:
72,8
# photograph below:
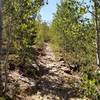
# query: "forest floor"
55,83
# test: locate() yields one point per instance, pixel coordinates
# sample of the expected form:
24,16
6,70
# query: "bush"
2,98
91,83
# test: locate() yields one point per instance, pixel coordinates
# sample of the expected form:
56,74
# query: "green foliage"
83,10
2,98
71,33
42,33
91,83
19,25
74,36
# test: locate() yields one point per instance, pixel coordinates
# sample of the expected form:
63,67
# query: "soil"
56,81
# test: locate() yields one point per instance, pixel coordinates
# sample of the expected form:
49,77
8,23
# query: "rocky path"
54,83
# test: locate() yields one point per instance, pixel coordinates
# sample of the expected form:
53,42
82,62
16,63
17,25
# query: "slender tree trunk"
1,83
6,65
9,40
97,32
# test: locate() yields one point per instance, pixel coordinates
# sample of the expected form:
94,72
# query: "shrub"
2,98
91,83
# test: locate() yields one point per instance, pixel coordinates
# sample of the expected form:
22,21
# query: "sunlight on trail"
54,84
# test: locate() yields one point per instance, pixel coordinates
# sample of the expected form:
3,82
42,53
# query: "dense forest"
56,61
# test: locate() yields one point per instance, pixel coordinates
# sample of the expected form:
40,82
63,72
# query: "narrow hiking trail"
53,84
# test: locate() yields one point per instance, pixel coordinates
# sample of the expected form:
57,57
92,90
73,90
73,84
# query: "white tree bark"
97,32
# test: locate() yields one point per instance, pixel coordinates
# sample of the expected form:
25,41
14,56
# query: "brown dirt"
53,84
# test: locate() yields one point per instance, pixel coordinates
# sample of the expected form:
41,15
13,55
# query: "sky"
47,11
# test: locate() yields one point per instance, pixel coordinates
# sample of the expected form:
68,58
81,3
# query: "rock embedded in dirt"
35,66
61,59
68,72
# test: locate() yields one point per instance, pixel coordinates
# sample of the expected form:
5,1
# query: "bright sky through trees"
48,11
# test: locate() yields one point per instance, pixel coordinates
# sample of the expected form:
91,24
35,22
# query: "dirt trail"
54,83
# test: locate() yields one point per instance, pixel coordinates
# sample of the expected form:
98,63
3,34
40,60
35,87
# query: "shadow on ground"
46,86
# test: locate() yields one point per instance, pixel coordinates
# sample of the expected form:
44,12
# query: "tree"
42,32
1,30
72,32
19,26
97,24
21,15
